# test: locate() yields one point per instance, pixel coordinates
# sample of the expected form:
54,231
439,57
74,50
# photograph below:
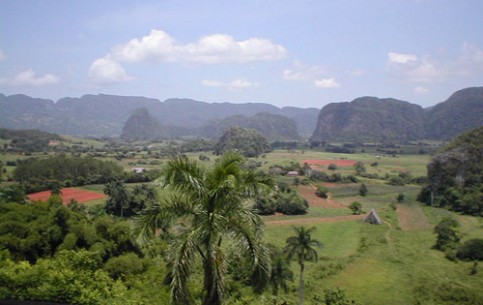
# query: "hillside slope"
463,110
274,127
370,119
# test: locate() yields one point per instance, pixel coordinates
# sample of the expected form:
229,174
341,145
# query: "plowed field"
79,195
341,162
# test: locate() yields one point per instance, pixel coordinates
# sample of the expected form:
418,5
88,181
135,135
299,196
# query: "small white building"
138,170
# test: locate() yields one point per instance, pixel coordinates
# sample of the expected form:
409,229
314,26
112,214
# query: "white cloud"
426,68
29,78
326,83
302,72
159,46
421,90
235,85
401,58
356,72
106,71
2,55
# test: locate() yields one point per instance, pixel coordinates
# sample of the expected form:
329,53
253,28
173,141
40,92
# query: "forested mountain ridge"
463,110
274,127
364,119
141,125
370,119
105,115
375,119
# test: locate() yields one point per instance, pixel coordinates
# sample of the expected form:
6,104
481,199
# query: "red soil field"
308,192
341,163
68,194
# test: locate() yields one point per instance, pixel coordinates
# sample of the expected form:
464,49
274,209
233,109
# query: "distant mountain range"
378,120
364,119
105,115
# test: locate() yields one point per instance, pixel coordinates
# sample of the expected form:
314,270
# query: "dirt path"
412,218
313,220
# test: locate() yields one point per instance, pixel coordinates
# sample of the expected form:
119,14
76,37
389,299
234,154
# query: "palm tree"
281,273
205,210
142,195
118,196
301,247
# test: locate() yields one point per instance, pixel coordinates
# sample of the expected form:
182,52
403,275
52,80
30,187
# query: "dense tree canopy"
246,141
455,175
204,214
37,174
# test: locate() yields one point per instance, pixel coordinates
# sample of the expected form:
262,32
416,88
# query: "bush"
291,204
447,234
471,250
356,208
322,192
265,205
363,190
332,167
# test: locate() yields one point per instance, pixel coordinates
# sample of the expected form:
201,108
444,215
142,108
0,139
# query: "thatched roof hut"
373,218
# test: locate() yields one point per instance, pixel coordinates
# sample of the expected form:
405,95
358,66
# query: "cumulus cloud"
426,68
2,55
302,72
235,85
401,58
29,78
421,90
107,71
159,46
326,83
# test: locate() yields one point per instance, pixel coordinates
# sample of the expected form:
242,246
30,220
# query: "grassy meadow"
392,263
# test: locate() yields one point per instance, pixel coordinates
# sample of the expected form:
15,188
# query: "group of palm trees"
206,210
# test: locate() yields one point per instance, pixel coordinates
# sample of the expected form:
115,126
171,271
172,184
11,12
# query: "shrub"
471,250
356,208
291,204
363,190
265,205
332,167
322,192
447,235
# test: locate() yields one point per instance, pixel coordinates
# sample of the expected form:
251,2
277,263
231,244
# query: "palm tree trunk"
301,284
212,296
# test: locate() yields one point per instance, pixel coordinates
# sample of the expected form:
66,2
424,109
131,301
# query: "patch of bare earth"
308,192
412,218
67,194
313,220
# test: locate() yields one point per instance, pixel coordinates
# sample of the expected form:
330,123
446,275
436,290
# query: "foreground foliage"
204,214
455,175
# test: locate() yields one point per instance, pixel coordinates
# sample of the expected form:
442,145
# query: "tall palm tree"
118,196
206,209
302,247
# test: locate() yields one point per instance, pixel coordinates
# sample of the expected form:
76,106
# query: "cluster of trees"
448,240
283,200
28,140
455,175
248,142
37,174
122,202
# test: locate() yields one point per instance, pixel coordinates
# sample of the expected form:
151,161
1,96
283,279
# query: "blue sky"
286,53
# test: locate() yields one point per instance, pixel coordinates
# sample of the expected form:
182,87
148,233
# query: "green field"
382,264
392,263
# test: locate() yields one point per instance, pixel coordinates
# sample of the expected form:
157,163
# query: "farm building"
373,218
